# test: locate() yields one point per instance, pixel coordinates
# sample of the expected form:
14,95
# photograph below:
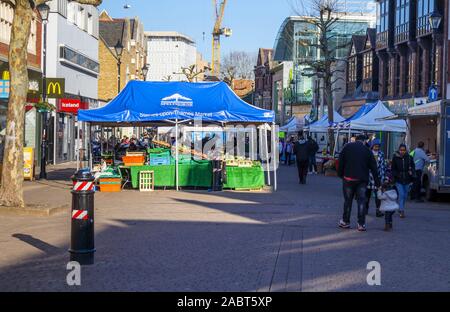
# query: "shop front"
67,137
32,120
423,124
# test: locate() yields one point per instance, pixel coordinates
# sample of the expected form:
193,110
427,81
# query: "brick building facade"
130,33
404,46
263,79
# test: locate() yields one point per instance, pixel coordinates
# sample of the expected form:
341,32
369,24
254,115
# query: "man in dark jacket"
314,148
355,163
302,151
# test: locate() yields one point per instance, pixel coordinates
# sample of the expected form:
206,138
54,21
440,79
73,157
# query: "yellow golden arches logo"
54,86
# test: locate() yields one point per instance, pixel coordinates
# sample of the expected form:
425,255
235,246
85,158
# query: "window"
424,8
382,16
367,71
75,58
6,20
401,20
90,24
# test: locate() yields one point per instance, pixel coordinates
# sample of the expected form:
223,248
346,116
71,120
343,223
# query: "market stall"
177,104
371,118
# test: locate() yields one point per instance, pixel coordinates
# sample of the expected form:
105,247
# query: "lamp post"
292,95
145,72
44,11
119,49
435,21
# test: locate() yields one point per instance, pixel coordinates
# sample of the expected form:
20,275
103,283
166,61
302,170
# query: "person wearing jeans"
420,159
354,189
403,191
356,161
403,171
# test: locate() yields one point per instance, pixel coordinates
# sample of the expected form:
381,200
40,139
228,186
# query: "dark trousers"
287,157
302,167
312,163
416,194
388,216
377,201
354,189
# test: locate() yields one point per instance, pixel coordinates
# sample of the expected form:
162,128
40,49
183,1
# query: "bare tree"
324,15
237,65
192,72
11,189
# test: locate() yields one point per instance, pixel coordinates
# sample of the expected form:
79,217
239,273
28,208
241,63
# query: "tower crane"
218,31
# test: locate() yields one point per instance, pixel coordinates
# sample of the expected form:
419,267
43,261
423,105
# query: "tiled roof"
113,31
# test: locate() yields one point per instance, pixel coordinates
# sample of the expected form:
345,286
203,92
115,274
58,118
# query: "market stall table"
244,177
194,174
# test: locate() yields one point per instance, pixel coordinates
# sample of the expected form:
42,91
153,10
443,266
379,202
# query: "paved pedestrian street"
227,241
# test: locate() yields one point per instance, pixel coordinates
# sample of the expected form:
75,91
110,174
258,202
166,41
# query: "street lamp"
119,49
145,72
44,11
292,94
435,21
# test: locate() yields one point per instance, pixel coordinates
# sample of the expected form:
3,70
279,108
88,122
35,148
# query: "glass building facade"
296,42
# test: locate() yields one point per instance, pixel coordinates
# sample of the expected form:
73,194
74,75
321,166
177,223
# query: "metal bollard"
82,226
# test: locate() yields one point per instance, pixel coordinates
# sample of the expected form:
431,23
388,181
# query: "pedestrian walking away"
302,153
381,167
356,161
314,148
388,196
420,159
288,152
403,171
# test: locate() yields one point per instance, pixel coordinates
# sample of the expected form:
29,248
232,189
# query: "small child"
388,196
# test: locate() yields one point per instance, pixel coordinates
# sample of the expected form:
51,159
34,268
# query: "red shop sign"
69,105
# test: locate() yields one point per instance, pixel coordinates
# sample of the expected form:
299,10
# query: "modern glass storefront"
297,40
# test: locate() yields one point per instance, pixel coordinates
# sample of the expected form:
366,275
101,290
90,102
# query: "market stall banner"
142,101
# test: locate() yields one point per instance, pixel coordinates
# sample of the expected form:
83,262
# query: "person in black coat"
355,163
314,148
403,172
302,151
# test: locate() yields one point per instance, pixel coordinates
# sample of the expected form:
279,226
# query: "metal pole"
267,154
433,60
274,150
89,145
77,145
176,153
43,173
118,75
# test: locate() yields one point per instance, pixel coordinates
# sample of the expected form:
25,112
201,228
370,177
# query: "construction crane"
217,32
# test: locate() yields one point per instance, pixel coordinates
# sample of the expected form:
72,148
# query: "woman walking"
403,171
381,167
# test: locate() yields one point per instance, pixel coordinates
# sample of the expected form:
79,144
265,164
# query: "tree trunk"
11,190
329,97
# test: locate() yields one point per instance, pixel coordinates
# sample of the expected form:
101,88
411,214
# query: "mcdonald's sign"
55,88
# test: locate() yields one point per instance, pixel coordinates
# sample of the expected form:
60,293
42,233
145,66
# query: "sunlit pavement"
228,241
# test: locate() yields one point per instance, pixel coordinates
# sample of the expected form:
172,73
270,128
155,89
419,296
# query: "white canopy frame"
177,122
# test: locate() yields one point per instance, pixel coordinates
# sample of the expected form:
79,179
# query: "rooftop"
173,34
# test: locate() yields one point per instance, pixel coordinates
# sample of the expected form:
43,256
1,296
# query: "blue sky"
255,23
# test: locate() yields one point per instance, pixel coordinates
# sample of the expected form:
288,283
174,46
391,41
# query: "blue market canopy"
323,124
141,102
